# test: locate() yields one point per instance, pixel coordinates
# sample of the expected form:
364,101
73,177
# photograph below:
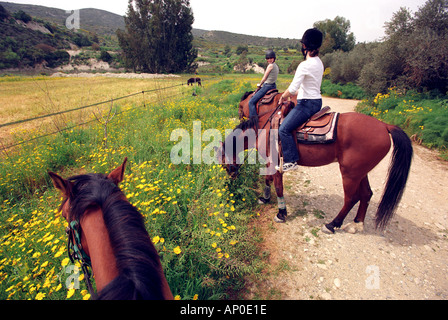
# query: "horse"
192,81
361,143
108,234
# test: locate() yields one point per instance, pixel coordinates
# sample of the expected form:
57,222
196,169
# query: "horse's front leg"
282,213
266,198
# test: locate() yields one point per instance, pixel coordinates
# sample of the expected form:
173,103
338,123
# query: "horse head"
67,188
229,162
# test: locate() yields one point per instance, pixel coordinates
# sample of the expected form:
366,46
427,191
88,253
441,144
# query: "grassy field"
203,224
199,219
28,97
423,116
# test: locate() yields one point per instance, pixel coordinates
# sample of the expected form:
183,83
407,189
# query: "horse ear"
118,174
60,183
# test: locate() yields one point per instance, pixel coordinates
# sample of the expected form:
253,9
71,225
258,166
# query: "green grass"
422,116
194,208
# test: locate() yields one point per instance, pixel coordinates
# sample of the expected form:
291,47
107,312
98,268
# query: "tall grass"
422,116
198,218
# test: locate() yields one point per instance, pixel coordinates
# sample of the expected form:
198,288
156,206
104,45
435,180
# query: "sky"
269,18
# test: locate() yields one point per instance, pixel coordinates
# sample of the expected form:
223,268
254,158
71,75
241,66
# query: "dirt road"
409,260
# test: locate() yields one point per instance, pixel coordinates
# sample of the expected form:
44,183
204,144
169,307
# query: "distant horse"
108,234
192,81
361,143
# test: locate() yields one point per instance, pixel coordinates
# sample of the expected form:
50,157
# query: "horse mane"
248,124
137,260
246,95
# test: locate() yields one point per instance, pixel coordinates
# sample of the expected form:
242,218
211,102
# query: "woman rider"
307,82
267,83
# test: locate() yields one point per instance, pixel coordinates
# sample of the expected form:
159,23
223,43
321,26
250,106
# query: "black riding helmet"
270,54
312,39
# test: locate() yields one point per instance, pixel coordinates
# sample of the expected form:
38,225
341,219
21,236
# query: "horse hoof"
262,200
328,229
280,218
354,228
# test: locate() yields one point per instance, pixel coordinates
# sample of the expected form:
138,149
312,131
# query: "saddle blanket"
320,131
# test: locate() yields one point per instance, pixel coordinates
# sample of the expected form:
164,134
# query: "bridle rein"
76,252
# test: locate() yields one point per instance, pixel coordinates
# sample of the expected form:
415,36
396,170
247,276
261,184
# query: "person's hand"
280,102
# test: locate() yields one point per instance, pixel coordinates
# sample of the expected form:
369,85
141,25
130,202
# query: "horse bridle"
268,121
76,252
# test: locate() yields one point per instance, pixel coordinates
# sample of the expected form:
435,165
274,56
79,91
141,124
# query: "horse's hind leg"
365,194
351,197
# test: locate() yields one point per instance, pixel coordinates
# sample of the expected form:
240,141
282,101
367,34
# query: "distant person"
267,83
307,85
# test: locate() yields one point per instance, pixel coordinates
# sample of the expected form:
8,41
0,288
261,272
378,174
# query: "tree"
337,35
426,48
158,36
22,15
413,55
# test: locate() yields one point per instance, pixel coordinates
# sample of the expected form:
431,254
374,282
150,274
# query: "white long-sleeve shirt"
308,79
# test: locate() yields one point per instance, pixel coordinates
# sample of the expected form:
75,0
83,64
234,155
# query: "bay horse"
362,142
108,234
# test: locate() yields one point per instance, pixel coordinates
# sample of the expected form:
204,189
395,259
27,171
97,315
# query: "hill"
45,42
94,20
106,23
235,39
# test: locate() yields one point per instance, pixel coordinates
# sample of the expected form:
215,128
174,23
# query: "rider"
307,82
267,83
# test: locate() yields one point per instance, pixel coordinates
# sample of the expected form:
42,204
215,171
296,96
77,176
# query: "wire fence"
49,115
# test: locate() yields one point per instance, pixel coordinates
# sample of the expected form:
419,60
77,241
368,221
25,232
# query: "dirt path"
407,261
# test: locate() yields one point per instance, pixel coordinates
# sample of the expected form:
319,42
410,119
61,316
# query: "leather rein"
76,252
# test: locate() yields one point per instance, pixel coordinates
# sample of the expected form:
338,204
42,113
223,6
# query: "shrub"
23,16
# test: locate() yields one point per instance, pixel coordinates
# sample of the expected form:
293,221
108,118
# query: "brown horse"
108,234
362,142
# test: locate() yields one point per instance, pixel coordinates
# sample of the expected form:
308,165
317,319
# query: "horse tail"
397,176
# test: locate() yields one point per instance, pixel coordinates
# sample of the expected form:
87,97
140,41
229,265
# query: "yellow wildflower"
40,296
65,262
70,293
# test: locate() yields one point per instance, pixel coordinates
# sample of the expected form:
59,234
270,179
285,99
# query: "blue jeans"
257,96
304,110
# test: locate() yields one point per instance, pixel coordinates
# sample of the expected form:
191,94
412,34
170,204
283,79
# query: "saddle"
319,129
267,99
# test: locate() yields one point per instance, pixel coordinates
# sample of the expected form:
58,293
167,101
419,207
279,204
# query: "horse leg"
351,197
365,194
282,213
266,198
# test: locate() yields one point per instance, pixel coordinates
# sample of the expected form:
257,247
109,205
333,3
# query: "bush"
348,91
422,116
57,58
21,15
105,56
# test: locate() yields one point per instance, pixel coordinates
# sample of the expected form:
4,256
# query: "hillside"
44,42
94,20
234,39
106,23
